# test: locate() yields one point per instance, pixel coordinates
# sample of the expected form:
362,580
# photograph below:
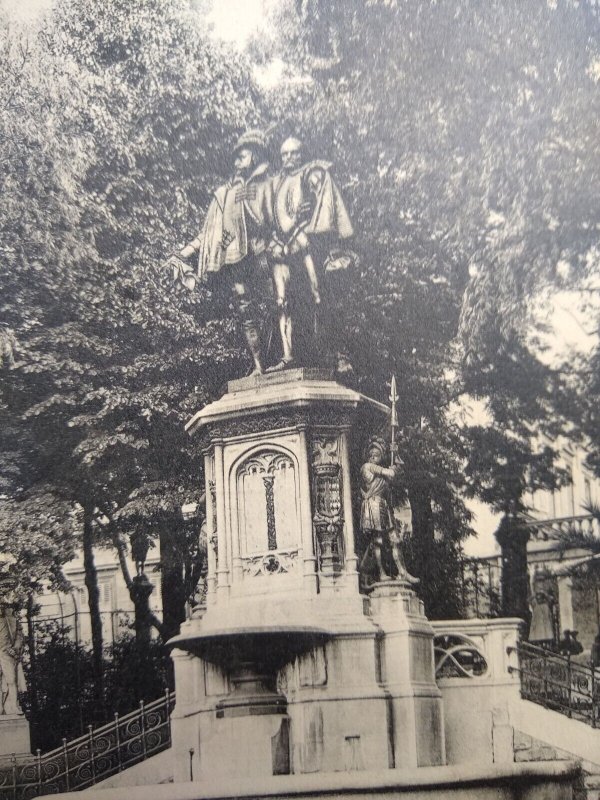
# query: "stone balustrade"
480,650
476,663
581,525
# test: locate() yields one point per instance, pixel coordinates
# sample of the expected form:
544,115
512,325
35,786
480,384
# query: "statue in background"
541,630
11,671
233,239
377,520
307,208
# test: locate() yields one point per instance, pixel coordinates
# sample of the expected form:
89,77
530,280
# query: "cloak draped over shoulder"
308,200
329,215
237,222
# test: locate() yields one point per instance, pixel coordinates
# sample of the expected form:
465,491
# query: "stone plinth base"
550,781
360,694
408,674
284,671
14,735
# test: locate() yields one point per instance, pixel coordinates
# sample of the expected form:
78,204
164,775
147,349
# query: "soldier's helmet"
379,444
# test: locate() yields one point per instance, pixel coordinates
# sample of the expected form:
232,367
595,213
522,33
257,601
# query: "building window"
106,594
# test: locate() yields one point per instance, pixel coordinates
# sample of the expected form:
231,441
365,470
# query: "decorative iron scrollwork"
560,683
93,757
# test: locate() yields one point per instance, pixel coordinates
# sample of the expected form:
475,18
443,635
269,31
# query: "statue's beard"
244,172
289,168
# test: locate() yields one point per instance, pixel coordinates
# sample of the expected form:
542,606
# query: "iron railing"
480,588
559,683
91,758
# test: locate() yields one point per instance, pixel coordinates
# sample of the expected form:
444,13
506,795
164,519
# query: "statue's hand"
182,273
172,261
276,250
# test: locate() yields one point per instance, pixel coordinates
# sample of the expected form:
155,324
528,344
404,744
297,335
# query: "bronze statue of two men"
264,230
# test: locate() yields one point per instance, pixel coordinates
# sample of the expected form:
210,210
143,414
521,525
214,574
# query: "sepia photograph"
299,399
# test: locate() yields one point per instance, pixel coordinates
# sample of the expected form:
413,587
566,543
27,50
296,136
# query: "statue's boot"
403,573
285,328
281,365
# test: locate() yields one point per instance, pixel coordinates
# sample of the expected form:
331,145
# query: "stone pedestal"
408,674
14,735
284,671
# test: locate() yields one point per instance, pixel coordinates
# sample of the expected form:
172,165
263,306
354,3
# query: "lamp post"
141,588
513,537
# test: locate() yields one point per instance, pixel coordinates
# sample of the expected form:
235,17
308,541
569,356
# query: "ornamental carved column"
327,503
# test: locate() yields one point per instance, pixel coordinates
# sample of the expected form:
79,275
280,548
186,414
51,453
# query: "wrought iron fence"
480,587
559,683
75,626
91,758
65,689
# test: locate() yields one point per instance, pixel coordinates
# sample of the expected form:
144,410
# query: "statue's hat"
252,138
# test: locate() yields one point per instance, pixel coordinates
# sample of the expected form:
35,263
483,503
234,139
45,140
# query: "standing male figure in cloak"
307,210
232,243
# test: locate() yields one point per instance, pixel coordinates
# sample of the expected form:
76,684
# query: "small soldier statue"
377,518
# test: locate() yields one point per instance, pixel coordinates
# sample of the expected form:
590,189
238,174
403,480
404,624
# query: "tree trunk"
424,563
121,549
93,590
513,538
172,584
31,644
149,618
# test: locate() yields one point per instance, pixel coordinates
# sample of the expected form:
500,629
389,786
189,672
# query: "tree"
469,169
113,149
455,150
36,538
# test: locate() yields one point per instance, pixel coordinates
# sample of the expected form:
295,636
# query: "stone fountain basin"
267,646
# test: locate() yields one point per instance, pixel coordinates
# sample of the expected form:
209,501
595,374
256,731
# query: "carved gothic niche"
268,511
327,503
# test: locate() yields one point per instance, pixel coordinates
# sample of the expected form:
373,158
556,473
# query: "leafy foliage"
36,539
61,698
462,132
463,137
122,126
